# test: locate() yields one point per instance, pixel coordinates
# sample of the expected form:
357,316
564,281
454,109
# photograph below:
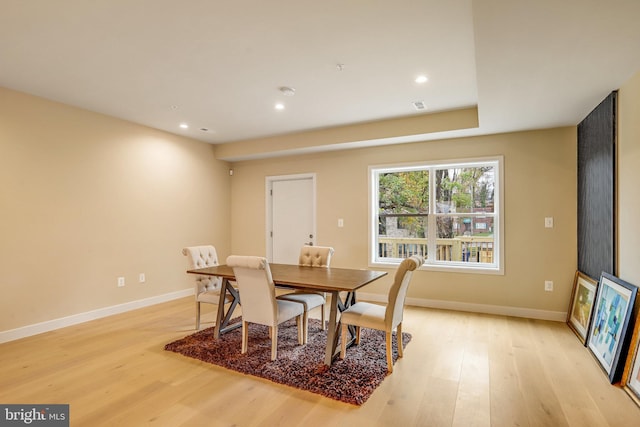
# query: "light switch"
340,222
548,222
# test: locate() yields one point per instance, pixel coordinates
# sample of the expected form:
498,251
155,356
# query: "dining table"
330,280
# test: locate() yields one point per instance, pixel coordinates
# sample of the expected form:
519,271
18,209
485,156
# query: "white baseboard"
50,325
529,313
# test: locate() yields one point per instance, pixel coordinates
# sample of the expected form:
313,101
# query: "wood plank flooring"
460,369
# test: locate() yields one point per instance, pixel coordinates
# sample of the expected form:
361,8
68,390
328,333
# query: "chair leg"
305,327
197,315
389,351
302,330
245,336
274,342
399,337
343,341
322,317
357,335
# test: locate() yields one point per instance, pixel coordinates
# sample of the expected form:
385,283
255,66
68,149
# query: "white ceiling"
219,64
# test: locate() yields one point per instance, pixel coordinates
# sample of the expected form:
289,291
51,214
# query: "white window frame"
497,267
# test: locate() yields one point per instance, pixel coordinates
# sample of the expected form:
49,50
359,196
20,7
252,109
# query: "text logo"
34,415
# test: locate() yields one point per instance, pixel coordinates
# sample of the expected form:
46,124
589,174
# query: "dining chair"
311,256
207,287
259,303
374,316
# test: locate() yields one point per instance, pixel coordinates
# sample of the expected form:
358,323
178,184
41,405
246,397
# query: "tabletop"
329,279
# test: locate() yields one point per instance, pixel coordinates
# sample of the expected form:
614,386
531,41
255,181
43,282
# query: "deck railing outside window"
461,249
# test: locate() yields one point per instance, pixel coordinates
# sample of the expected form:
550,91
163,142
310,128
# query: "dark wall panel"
596,189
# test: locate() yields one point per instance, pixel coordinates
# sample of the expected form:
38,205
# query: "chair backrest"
398,291
201,257
257,291
315,256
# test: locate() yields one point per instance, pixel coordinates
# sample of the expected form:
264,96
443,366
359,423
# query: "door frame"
269,180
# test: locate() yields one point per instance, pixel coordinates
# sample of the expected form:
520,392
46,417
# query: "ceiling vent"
419,105
287,91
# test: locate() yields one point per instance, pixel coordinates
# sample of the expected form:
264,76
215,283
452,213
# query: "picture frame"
608,328
581,305
631,374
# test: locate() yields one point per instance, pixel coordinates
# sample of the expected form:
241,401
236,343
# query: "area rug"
351,380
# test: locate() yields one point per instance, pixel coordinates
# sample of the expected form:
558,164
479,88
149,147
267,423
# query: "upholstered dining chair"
374,316
207,287
311,256
259,303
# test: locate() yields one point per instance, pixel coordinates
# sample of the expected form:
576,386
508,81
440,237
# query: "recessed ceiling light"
184,126
421,79
279,106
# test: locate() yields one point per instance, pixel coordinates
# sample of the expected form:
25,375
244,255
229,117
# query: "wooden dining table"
330,280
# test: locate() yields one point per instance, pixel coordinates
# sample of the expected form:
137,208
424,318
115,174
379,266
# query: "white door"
292,219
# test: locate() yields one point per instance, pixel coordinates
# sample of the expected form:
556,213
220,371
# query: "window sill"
445,268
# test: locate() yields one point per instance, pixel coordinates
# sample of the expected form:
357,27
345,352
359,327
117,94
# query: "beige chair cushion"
310,300
366,315
288,310
253,262
374,316
258,294
201,257
258,299
315,256
207,287
398,291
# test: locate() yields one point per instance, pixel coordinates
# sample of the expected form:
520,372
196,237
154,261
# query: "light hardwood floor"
460,369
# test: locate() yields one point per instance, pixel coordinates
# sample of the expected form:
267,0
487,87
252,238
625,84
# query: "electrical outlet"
548,222
142,278
120,282
548,285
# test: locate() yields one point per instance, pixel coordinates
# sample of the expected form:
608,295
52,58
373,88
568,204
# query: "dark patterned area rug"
351,380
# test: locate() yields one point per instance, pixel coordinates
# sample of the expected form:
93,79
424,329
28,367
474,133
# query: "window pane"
401,236
402,218
465,190
404,192
465,239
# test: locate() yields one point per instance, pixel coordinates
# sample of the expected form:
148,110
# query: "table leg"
222,317
333,333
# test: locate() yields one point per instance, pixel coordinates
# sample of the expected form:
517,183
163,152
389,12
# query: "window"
450,213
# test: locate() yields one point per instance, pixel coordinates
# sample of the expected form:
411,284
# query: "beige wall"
629,181
85,198
540,181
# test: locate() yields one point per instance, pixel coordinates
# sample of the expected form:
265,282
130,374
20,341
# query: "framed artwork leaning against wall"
608,329
631,375
581,305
